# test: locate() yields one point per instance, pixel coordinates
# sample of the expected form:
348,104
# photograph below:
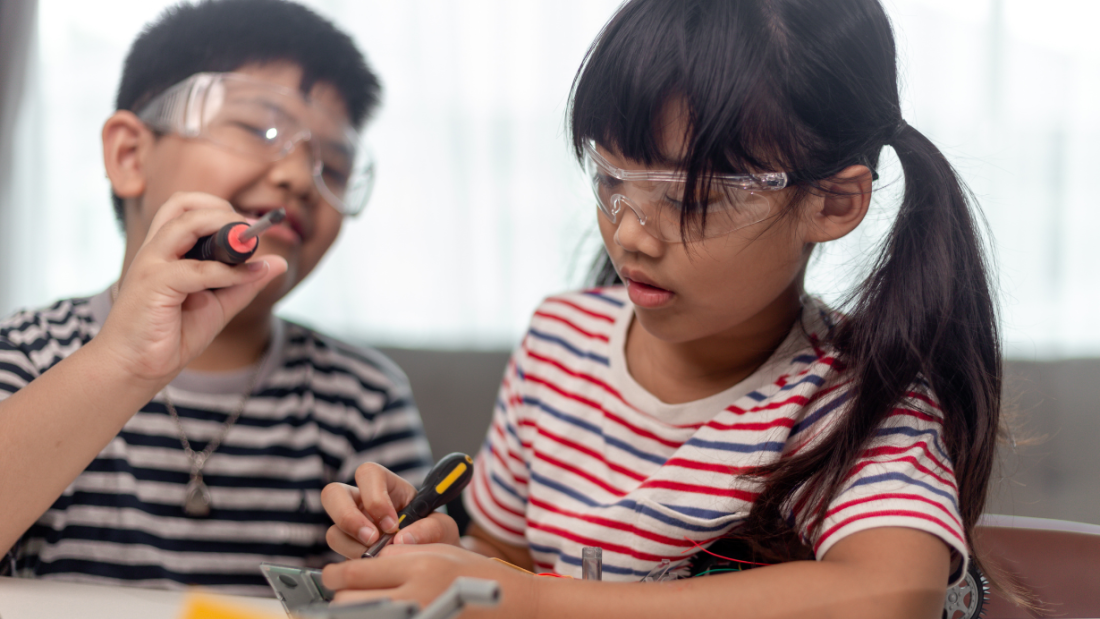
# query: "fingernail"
257,265
388,523
405,538
367,535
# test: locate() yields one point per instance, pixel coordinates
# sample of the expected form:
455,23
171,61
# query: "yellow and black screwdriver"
444,483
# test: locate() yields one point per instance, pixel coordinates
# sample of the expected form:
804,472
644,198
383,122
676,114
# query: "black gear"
967,600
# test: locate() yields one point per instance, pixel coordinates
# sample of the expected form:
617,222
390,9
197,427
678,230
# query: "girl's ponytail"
926,312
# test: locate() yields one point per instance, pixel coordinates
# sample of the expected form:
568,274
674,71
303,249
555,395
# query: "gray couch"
1054,471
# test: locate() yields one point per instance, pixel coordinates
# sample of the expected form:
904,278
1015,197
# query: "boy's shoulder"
373,370
68,323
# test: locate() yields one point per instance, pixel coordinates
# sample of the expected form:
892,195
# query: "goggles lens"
656,197
266,122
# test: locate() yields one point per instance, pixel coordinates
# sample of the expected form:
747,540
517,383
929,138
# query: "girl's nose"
630,232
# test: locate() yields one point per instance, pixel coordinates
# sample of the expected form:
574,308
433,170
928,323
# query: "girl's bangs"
650,55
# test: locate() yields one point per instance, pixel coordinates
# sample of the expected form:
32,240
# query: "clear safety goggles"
734,201
266,122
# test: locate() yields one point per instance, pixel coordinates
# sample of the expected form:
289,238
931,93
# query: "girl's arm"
887,573
168,310
884,573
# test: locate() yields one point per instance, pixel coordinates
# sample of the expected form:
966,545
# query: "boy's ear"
841,206
126,142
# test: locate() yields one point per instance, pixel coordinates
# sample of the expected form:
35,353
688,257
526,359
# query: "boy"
191,438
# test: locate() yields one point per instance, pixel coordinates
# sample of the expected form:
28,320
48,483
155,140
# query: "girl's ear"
126,143
841,206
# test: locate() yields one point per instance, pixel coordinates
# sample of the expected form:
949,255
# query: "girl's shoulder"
584,318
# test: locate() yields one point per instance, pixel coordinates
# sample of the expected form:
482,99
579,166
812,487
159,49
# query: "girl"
707,402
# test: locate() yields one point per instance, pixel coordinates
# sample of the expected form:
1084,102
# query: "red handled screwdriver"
236,242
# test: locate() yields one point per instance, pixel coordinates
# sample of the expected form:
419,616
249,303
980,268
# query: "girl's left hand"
421,573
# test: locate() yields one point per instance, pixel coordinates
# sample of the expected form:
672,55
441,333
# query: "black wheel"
967,599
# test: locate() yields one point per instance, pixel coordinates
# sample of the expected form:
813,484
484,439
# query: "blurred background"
479,210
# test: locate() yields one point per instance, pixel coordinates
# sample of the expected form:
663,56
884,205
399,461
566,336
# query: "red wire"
700,547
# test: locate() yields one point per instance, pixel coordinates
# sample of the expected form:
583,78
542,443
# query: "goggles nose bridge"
618,201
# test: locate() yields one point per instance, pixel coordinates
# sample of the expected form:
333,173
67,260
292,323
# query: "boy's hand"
364,512
168,309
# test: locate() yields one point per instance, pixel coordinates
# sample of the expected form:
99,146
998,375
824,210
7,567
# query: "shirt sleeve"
904,478
496,498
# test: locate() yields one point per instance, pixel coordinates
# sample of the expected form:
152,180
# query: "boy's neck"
240,344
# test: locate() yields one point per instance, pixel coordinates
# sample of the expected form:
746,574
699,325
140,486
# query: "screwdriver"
236,242
444,482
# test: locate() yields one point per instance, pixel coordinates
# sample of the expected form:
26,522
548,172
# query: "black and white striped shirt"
319,410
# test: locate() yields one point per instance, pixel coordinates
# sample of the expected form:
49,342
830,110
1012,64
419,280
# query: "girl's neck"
682,372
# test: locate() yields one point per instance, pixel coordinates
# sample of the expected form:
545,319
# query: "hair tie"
898,130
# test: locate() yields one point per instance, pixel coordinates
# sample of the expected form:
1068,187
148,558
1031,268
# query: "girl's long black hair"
810,87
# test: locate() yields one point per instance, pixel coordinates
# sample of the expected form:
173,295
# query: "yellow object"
399,520
450,479
511,565
204,606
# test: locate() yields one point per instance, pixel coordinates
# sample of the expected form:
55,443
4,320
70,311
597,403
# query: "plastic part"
464,591
592,563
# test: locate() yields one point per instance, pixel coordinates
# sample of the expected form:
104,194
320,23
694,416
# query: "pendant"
196,499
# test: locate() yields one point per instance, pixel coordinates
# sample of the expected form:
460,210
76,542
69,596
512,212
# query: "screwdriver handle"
224,245
442,485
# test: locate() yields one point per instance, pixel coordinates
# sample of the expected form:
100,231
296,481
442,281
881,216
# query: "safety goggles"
266,122
733,201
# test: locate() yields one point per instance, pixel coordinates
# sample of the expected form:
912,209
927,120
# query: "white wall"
479,210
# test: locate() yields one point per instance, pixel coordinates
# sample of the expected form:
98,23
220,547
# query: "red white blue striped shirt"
579,454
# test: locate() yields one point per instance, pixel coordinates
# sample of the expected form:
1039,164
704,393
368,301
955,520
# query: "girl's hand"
364,512
422,573
168,310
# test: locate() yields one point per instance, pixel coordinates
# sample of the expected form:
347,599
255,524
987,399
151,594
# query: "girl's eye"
606,181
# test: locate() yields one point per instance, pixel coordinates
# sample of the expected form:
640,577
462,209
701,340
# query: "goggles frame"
748,183
187,108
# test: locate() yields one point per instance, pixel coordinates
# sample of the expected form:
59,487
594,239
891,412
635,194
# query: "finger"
342,503
376,573
344,544
355,596
235,298
437,528
185,201
175,237
187,277
382,492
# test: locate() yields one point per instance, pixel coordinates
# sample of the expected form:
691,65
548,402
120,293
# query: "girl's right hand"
168,309
364,512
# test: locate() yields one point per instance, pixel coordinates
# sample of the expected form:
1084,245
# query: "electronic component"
592,563
304,597
967,599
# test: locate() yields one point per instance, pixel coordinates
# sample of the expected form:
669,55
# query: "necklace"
196,498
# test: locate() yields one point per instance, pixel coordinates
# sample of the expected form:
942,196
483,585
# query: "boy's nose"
294,172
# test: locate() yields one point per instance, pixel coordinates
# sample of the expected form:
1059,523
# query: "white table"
25,598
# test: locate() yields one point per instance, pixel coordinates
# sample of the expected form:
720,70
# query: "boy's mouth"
290,230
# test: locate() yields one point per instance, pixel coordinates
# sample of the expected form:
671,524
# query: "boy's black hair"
224,35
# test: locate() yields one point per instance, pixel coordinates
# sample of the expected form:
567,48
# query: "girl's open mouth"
646,295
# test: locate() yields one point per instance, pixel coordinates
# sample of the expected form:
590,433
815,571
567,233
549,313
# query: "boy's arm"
885,573
168,310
